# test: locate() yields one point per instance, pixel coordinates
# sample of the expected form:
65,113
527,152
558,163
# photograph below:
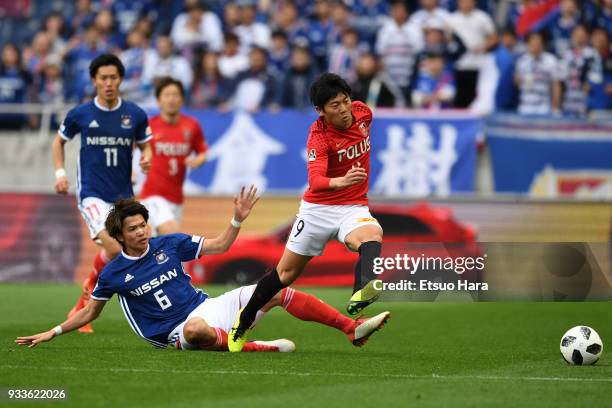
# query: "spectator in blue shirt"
294,93
319,33
600,95
14,86
435,84
506,94
77,64
280,52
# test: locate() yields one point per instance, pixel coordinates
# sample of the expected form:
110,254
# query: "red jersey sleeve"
318,149
198,142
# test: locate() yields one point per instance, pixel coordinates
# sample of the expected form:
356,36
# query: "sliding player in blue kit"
162,306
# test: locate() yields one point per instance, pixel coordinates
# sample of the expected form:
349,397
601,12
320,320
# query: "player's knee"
112,249
374,234
196,331
287,275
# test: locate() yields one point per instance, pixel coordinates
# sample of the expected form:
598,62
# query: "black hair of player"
326,87
163,82
122,209
104,60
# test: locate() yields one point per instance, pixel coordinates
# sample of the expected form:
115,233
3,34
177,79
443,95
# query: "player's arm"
317,167
80,318
355,175
243,204
199,147
146,153
61,180
193,162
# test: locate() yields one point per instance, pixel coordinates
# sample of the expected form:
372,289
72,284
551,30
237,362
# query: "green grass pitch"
428,355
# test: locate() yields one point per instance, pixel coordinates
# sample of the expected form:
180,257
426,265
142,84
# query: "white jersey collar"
114,108
135,258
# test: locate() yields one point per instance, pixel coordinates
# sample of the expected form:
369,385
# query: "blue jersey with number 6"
104,168
154,291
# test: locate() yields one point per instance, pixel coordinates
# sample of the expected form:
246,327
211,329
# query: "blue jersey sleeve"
103,290
69,127
188,246
143,130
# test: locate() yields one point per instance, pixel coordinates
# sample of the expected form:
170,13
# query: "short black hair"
167,81
533,34
327,86
103,60
122,209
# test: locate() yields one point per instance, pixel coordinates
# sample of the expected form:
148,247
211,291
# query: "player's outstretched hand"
244,202
354,176
32,341
61,185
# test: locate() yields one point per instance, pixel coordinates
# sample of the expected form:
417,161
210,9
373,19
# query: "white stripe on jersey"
78,179
130,319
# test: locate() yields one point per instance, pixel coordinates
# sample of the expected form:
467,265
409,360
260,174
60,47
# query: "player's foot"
363,298
279,345
88,328
238,336
366,326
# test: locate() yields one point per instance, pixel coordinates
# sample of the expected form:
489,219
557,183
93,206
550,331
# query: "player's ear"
319,110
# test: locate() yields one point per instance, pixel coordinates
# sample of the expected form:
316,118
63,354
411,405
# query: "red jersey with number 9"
333,152
171,145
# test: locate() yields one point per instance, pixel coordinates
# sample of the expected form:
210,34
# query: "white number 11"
111,156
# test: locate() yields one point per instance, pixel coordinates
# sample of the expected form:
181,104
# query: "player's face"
135,233
170,100
338,111
107,82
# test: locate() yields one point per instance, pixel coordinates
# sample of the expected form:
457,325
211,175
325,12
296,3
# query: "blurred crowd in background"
535,57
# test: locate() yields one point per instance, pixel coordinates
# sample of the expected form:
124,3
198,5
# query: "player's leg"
172,226
362,233
162,215
169,227
89,284
110,244
307,307
94,212
287,271
206,327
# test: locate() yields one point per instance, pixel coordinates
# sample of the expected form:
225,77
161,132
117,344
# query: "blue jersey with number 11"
107,141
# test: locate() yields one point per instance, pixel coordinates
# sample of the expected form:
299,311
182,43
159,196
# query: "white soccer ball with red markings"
581,345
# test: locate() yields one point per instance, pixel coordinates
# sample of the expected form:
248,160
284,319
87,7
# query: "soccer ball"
581,345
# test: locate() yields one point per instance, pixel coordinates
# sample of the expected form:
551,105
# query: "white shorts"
161,210
219,312
94,211
316,224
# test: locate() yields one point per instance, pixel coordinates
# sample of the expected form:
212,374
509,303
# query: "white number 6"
162,299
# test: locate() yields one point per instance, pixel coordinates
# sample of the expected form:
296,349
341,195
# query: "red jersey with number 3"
333,152
171,145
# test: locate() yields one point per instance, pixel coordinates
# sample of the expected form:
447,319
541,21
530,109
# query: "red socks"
90,282
220,343
309,308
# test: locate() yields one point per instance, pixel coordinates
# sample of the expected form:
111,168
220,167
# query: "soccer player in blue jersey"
164,309
108,127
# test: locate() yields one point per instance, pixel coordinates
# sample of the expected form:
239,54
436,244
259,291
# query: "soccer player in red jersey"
175,138
335,206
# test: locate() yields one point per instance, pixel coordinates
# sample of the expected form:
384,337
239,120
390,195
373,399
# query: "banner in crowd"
550,157
415,155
